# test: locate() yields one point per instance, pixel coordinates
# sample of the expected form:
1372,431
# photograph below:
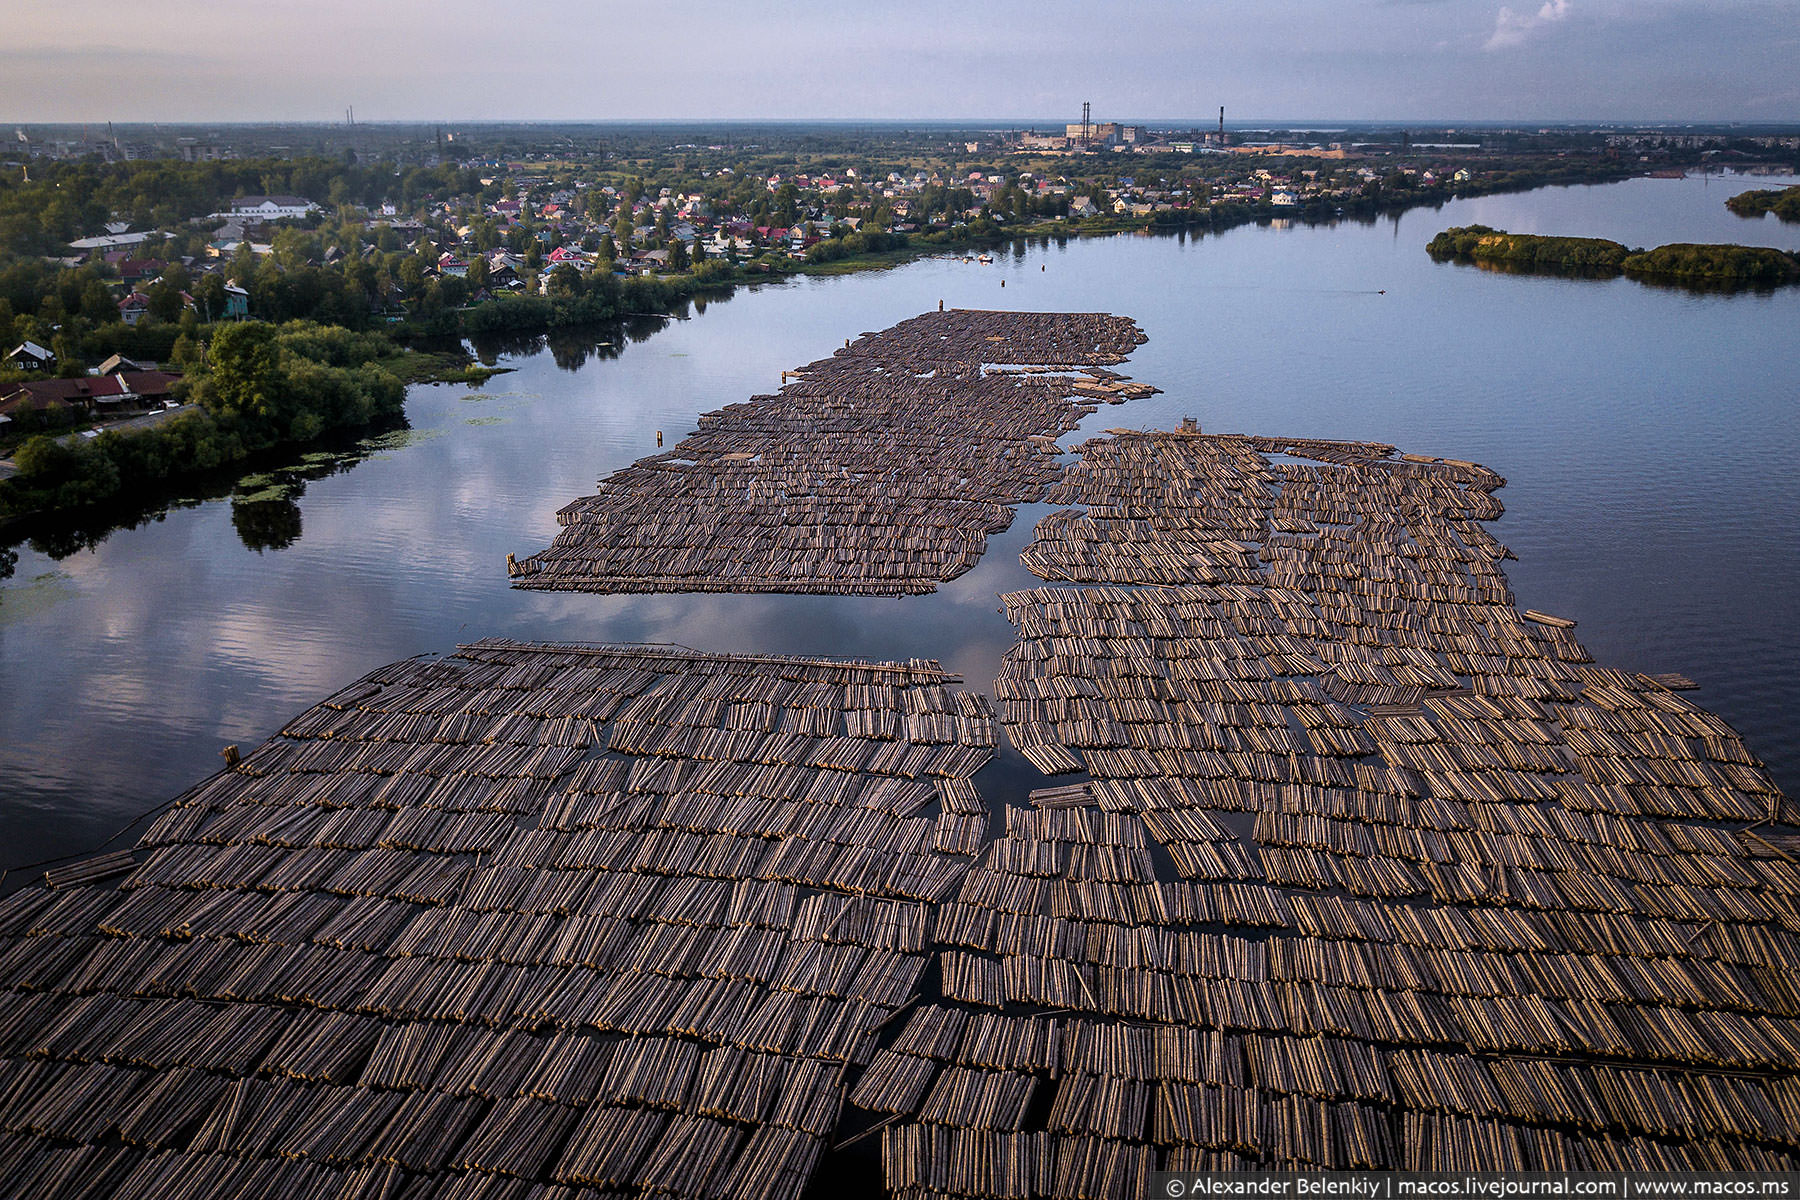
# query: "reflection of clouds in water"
503,399
255,641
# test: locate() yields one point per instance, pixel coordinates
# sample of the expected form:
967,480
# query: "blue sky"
1283,60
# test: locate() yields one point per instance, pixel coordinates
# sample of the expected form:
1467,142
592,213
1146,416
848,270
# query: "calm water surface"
1649,437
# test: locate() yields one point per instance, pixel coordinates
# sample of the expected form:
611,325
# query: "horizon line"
1251,122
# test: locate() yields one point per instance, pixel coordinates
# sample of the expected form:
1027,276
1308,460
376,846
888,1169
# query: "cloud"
1511,28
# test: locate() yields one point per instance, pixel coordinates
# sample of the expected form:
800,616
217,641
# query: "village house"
134,270
105,394
134,308
110,241
29,356
269,208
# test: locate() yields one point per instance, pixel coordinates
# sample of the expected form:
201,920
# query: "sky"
1004,61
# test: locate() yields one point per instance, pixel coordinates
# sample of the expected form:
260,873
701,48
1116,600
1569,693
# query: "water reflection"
572,347
263,491
59,536
1709,287
266,524
1701,287
1502,267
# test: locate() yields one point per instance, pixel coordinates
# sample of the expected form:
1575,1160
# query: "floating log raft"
879,471
89,870
1377,871
1069,796
529,916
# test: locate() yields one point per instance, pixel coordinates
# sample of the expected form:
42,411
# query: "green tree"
165,302
209,297
97,303
66,345
58,474
244,380
186,354
563,283
787,203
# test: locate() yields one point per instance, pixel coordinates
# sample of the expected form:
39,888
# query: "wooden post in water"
230,755
659,437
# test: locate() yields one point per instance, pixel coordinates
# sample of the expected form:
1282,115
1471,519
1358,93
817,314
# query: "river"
1648,436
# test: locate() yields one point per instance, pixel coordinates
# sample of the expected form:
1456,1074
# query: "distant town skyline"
455,60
